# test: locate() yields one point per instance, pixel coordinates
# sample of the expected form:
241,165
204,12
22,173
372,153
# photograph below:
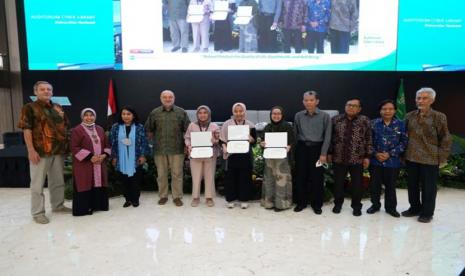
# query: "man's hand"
366,163
142,160
323,159
114,161
33,156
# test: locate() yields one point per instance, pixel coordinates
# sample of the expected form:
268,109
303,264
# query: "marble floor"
169,240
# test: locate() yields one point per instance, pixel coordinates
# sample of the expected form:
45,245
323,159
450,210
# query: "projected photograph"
297,26
372,35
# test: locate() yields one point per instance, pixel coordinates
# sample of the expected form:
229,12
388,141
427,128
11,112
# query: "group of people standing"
350,141
301,21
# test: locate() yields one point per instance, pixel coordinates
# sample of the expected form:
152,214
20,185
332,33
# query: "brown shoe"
41,219
177,202
210,202
195,202
62,209
162,201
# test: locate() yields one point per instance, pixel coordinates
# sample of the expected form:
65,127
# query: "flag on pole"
400,102
111,100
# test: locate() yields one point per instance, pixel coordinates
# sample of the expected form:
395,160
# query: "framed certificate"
202,146
275,145
195,13
238,133
275,153
202,152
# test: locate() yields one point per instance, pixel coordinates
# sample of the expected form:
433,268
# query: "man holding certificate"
277,183
237,135
313,132
202,139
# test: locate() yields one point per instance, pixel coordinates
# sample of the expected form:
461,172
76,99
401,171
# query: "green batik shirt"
168,128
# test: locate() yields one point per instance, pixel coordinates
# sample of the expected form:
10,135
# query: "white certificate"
243,15
238,146
195,13
201,139
220,10
238,133
219,15
275,139
201,152
275,153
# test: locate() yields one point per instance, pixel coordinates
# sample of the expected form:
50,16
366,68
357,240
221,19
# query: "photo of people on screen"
261,26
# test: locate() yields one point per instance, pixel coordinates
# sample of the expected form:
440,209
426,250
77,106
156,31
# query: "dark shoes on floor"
393,213
127,204
162,201
373,209
177,202
357,212
410,213
317,211
299,208
337,209
424,219
175,49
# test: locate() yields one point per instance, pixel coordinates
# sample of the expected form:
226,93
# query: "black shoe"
373,209
184,50
135,204
175,49
424,219
317,211
393,213
278,210
337,209
299,208
127,204
357,212
410,213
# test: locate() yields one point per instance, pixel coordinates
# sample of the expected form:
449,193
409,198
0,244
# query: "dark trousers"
310,179
339,42
238,184
292,37
388,177
356,175
422,177
131,188
267,39
316,41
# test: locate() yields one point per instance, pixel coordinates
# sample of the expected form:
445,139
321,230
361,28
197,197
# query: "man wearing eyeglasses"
351,148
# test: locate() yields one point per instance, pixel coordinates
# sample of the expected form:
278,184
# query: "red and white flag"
111,100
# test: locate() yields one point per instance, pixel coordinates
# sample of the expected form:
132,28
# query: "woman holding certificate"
202,139
237,137
277,183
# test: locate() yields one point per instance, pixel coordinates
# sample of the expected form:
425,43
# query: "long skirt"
85,203
277,184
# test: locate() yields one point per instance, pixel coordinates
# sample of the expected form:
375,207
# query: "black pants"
131,188
316,41
356,175
340,42
85,203
292,37
238,184
426,176
310,179
388,177
267,39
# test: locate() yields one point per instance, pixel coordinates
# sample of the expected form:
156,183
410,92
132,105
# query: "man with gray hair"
45,132
313,134
428,148
167,125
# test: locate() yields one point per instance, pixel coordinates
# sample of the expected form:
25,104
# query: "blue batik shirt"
319,12
390,138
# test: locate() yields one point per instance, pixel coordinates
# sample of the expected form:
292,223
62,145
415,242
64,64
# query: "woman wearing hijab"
203,167
129,148
277,182
238,178
90,149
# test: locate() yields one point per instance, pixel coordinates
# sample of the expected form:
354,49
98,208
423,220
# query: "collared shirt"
177,9
344,15
390,138
49,129
429,138
168,127
294,13
314,127
318,11
351,141
271,7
